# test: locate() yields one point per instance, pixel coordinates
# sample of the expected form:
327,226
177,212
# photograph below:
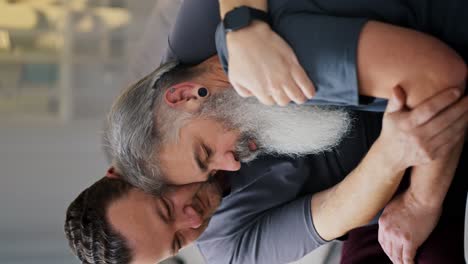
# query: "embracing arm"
410,217
359,197
430,183
367,189
390,56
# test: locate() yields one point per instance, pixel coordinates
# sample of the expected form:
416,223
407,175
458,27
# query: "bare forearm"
359,197
430,183
390,56
227,5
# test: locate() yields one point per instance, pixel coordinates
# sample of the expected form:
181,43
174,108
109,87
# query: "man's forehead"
136,219
181,160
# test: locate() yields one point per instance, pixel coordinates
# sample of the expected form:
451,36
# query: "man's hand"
262,64
404,226
415,137
432,129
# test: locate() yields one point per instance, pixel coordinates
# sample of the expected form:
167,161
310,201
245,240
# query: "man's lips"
252,145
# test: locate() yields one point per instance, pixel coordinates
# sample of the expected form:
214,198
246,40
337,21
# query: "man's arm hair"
390,56
367,189
359,197
430,183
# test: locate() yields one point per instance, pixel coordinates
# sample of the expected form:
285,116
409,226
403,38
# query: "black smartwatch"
242,16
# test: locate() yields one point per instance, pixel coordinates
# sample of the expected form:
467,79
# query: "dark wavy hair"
90,236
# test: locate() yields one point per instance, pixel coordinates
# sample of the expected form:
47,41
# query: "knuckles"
408,124
422,148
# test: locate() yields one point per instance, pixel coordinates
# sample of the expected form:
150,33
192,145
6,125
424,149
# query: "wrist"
427,196
417,200
256,27
388,158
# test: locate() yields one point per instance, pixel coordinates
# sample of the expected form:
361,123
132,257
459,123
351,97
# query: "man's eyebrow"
160,213
166,221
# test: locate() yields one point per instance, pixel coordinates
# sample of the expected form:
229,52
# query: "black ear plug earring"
202,92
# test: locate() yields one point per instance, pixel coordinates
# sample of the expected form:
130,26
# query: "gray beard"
294,130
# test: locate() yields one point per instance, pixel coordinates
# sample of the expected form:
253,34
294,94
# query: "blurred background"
61,64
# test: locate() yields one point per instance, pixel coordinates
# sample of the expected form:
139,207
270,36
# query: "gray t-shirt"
268,209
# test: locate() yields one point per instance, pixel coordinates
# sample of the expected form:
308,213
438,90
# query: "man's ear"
184,96
112,173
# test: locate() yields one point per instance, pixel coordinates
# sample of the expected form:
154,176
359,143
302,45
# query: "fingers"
303,82
408,254
397,100
390,250
386,247
266,100
384,242
276,96
280,97
448,117
293,85
295,93
450,136
291,90
242,91
298,87
445,149
398,253
262,96
431,107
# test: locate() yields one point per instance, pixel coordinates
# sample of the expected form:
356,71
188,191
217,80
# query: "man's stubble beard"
294,130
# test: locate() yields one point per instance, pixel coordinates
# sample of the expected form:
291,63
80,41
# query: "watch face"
237,18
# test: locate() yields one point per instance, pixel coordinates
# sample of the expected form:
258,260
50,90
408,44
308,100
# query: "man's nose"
190,218
226,162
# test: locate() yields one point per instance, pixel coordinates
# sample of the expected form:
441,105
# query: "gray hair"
139,122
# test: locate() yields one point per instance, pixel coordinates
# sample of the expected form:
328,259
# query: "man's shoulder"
256,181
216,251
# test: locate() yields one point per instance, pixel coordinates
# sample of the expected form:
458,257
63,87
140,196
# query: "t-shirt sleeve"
263,240
326,47
191,39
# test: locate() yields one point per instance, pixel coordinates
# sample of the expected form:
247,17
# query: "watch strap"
243,16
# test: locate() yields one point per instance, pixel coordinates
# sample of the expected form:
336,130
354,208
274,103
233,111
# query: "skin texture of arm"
409,218
357,199
422,66
391,56
367,189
